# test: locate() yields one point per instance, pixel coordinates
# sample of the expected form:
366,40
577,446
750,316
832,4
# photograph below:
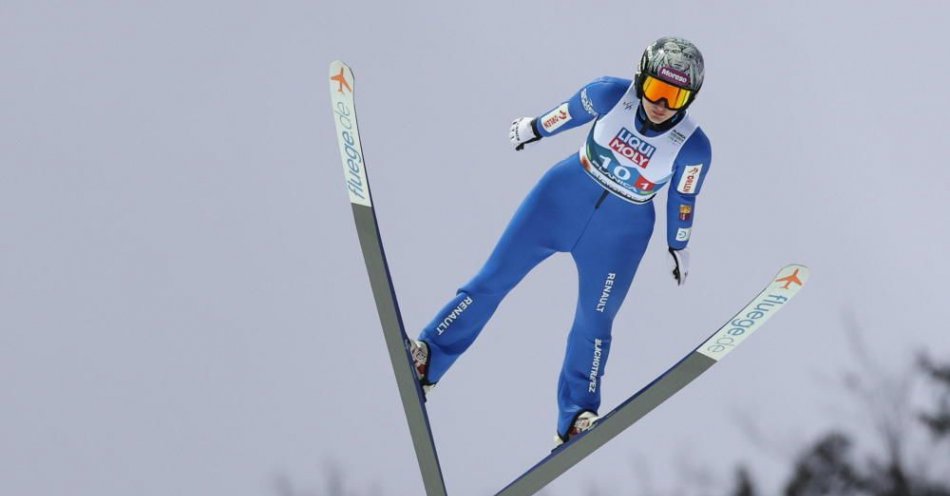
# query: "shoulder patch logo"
588,105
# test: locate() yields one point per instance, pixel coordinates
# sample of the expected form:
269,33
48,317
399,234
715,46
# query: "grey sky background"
185,309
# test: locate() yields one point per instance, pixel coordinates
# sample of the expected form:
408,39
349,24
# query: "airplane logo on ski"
340,78
790,279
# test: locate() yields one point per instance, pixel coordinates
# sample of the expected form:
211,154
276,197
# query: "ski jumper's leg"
549,220
607,255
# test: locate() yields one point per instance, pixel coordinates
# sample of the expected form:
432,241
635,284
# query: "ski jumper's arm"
593,100
690,169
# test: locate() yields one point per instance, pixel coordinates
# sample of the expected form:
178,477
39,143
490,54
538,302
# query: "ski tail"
342,85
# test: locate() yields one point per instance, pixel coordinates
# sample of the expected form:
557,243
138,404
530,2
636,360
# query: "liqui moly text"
632,147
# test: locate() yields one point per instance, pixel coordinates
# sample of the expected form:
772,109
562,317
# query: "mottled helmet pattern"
674,60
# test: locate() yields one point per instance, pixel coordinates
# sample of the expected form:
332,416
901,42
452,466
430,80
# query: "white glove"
523,132
679,262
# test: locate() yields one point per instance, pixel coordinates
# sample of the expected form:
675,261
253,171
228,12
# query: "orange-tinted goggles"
656,90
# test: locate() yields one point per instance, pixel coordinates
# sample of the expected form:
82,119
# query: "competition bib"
627,163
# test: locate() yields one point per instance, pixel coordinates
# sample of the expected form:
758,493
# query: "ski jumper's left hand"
679,262
689,174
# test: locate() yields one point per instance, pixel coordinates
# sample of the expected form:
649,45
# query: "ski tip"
341,80
802,269
338,65
792,277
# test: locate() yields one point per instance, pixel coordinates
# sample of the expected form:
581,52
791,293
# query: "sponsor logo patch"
632,147
690,179
682,234
673,76
556,118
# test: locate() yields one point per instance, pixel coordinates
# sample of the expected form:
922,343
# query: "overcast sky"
184,308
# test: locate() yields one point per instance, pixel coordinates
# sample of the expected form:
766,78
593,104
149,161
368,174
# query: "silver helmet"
674,60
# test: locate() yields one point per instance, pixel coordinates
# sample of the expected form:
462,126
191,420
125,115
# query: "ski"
357,184
783,287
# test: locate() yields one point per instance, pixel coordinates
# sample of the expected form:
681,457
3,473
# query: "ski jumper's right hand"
523,131
590,101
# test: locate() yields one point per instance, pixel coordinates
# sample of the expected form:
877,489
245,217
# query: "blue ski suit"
595,205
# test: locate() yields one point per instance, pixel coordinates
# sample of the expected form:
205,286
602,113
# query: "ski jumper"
595,205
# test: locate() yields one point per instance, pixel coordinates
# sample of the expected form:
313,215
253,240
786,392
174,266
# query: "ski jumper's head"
669,77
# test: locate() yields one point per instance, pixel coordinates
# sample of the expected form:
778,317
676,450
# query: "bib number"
620,172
